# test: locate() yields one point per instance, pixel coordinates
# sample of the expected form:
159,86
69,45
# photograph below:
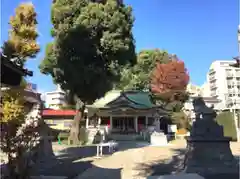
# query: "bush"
63,135
226,120
181,120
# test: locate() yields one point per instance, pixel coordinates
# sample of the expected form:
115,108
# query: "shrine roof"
117,98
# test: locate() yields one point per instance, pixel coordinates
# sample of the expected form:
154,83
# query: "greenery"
20,132
92,42
138,76
226,120
181,120
22,42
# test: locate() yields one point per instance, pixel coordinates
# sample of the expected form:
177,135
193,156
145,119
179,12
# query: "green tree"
92,42
22,42
138,76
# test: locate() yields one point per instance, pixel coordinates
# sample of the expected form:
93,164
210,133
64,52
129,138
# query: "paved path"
138,163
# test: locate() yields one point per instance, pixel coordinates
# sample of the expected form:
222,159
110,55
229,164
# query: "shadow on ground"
162,167
126,145
102,173
69,162
174,166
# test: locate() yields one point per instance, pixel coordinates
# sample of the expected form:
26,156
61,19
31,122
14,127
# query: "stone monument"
208,151
158,138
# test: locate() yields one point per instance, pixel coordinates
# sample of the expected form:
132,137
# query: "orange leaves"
169,77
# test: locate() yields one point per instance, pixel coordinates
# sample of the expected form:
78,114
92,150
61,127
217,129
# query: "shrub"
181,120
226,120
63,135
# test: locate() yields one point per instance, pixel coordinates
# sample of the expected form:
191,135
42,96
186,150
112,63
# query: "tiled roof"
136,99
52,112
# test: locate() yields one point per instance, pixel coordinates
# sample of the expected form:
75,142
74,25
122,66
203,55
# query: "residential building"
55,99
193,90
224,83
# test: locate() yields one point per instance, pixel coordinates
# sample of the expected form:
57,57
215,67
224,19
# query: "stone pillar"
136,123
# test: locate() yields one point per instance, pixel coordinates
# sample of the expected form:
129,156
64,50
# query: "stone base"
210,157
177,176
158,139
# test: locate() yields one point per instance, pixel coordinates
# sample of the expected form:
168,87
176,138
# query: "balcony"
230,83
232,91
229,74
237,73
213,86
212,78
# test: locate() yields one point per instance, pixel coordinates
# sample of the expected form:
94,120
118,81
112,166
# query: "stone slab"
177,176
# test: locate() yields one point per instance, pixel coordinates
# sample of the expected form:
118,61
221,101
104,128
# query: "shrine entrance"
123,124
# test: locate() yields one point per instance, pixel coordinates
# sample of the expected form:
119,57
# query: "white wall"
224,82
55,99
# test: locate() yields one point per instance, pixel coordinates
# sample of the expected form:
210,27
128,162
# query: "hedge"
226,120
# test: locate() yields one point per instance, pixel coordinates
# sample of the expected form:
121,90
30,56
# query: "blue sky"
198,31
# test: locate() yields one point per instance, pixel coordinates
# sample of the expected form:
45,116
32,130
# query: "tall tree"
168,86
169,82
19,131
22,42
92,42
138,76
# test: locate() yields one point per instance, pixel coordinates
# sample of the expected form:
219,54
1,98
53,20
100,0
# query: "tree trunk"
74,131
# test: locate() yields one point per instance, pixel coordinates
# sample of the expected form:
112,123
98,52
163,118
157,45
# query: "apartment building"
55,99
224,83
203,91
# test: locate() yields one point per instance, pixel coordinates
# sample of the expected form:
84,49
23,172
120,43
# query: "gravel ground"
138,163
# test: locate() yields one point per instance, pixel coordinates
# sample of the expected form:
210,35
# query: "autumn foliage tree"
19,131
22,42
168,84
